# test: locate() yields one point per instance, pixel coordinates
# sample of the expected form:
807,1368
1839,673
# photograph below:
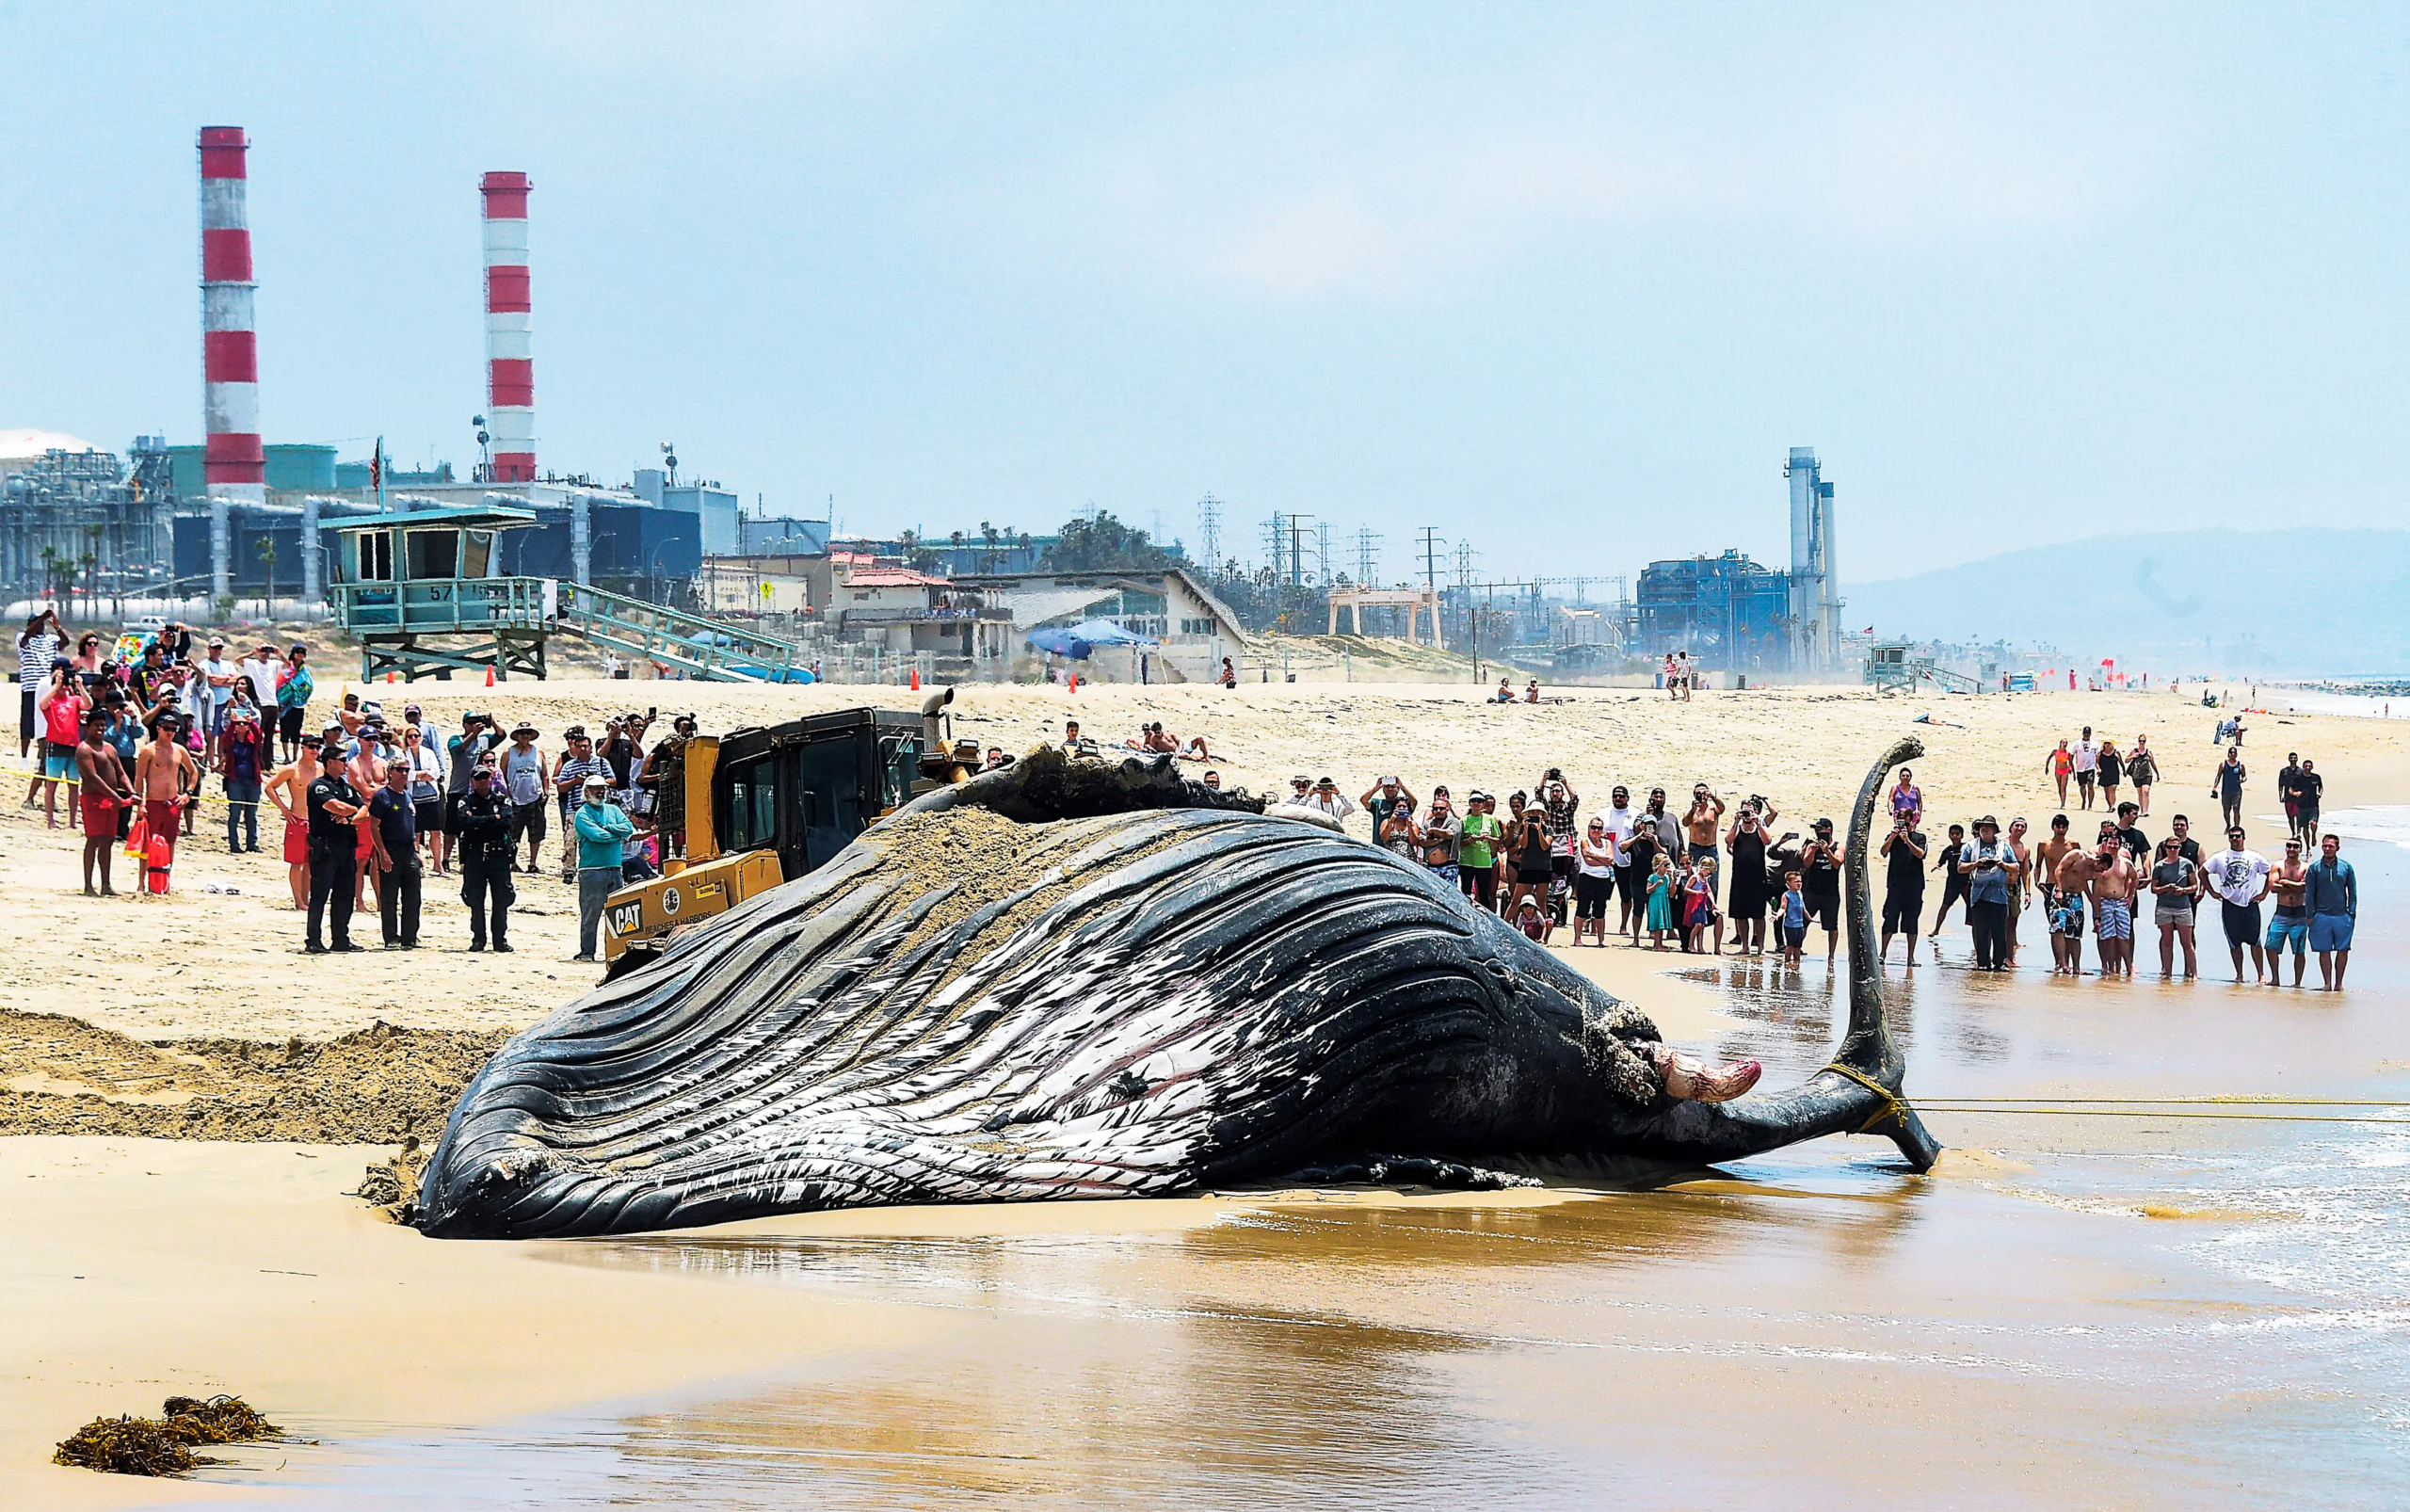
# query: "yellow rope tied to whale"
1894,1105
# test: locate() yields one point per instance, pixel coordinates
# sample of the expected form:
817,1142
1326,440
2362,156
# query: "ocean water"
2074,1312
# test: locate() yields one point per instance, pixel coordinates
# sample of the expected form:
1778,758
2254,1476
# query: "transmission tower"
1209,531
1322,553
1368,557
1465,554
1431,559
1275,545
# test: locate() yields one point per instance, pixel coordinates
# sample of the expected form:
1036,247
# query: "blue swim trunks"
2330,931
2292,927
2117,918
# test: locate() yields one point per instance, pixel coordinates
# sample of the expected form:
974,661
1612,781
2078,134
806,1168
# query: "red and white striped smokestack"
511,330
235,466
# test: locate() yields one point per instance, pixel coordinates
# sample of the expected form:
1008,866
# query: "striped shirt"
569,778
34,657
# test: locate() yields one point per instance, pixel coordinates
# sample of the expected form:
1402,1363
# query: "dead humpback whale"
1068,979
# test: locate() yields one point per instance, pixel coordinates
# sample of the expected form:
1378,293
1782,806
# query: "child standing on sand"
1661,900
1794,921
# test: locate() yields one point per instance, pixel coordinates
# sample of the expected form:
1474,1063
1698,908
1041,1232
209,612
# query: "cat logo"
670,902
626,919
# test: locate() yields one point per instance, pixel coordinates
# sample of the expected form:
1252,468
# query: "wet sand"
2070,1312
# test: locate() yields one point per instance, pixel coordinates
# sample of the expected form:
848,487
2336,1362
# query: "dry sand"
145,1266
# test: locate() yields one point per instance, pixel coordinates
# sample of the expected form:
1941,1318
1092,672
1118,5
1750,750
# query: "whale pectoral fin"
1908,1132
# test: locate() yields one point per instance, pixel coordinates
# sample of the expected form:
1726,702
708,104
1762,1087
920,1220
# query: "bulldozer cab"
805,788
766,805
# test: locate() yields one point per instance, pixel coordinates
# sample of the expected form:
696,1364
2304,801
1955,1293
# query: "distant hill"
2271,603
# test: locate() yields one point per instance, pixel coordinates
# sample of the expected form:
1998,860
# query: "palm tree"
91,563
268,560
51,561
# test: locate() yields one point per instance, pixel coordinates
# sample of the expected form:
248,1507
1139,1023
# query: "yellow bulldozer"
768,804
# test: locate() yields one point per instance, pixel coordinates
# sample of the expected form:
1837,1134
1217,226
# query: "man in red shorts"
102,777
164,776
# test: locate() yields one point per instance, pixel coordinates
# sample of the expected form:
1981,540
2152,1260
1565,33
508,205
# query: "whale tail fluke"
1867,1054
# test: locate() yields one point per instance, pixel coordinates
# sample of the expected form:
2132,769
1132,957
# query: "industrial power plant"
435,572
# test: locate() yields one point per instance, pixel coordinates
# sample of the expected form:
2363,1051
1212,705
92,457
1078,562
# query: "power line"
1209,531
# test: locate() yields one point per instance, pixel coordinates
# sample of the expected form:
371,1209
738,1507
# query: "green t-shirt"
1480,831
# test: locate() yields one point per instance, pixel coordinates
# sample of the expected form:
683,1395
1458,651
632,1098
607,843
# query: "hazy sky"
1567,283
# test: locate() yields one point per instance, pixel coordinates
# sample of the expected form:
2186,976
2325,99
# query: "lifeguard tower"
411,586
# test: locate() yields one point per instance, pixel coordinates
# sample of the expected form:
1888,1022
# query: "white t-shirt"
1619,823
2087,756
263,676
1334,804
2235,876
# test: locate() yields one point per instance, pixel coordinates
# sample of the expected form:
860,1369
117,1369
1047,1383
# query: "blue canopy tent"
1086,636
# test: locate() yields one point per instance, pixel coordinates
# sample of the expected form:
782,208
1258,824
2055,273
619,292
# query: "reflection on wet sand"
1813,1328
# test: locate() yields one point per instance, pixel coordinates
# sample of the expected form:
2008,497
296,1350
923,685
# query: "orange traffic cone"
916,679
388,680
488,674
1075,682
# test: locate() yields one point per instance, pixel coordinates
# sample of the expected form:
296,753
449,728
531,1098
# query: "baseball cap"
593,783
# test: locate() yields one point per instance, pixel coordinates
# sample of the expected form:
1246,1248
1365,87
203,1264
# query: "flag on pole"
376,474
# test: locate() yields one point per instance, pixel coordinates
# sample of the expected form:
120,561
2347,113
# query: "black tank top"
1748,858
1820,874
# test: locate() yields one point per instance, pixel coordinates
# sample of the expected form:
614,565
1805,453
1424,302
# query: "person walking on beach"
2111,768
1904,852
2141,770
106,790
2240,878
2308,792
2060,763
2332,895
2225,785
393,820
483,819
334,807
2087,765
2289,881
602,835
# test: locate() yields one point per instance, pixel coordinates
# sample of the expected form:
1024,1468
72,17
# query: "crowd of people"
133,735
1716,875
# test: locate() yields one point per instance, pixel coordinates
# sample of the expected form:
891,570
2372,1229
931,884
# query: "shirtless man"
288,788
2066,946
1707,811
165,776
2287,881
2111,881
105,790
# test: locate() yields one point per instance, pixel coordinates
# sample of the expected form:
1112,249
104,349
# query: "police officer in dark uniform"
487,847
335,838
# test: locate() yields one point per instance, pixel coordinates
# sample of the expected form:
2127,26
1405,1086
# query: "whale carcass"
1071,978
